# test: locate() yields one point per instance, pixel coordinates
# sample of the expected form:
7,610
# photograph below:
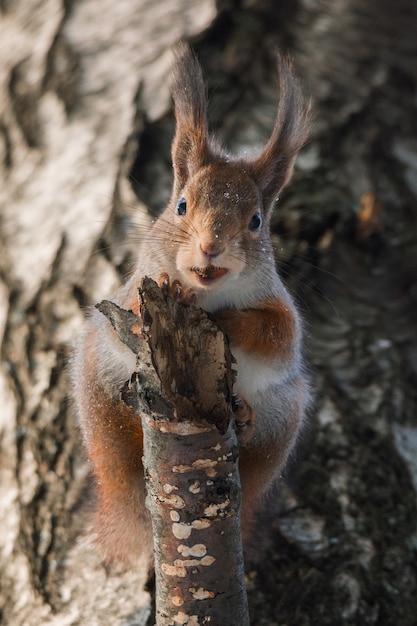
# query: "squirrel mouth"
209,273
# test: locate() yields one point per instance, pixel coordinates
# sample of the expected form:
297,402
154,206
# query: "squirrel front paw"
176,290
244,419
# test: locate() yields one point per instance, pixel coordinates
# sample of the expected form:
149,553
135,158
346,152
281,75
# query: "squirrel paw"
244,419
175,290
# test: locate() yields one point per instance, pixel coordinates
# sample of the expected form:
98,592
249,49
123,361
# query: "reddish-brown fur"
267,330
215,253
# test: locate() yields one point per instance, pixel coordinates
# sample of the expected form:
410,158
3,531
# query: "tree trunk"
85,134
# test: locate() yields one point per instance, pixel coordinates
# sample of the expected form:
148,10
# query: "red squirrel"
210,248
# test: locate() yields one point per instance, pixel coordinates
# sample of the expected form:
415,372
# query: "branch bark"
183,389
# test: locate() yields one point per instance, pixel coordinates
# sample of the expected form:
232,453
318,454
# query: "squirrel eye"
181,208
256,222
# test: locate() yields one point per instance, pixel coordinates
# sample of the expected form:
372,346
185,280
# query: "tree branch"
183,389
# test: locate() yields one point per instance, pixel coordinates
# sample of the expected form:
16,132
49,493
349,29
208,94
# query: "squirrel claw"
176,290
244,419
163,283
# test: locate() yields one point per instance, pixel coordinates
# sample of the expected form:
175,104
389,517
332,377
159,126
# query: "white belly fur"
254,375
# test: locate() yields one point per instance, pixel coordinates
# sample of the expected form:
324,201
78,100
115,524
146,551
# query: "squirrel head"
220,206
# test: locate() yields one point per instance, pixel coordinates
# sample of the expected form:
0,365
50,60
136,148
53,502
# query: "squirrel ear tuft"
273,169
190,148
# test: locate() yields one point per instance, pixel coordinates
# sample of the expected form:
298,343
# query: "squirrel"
210,248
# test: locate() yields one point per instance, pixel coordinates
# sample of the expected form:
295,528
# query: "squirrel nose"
211,249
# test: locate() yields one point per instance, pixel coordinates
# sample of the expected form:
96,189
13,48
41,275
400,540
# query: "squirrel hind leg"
123,532
263,459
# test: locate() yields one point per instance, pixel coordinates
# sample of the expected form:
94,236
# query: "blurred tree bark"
85,132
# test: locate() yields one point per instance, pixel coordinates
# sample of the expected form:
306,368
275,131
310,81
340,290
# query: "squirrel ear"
190,149
273,169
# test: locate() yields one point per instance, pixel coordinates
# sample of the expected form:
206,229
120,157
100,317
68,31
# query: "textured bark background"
85,132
